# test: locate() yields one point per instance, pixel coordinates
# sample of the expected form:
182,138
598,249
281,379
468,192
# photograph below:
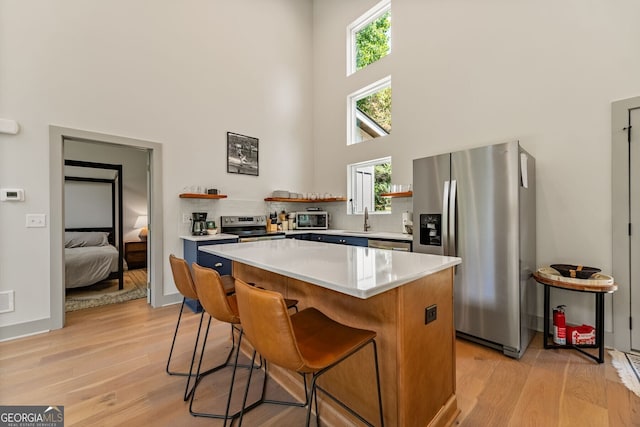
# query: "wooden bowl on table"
576,271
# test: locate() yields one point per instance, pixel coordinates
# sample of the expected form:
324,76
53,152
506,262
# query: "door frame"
620,221
57,136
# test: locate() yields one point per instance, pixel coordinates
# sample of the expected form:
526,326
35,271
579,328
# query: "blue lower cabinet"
341,240
304,236
192,254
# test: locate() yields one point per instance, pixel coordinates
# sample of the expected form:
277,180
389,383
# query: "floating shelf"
284,199
403,194
202,196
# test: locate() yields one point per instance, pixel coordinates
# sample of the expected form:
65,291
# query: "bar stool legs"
245,408
315,387
188,391
226,416
184,282
311,396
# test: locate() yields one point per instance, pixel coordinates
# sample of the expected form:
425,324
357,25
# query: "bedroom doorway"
148,208
105,217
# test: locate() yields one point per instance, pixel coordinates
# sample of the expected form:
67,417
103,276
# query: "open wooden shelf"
403,194
284,199
202,196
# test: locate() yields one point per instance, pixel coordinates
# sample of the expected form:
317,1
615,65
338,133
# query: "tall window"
369,37
367,181
369,112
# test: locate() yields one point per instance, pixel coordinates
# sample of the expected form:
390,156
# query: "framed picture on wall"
242,154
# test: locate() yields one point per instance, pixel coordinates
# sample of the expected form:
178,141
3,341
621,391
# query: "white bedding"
87,265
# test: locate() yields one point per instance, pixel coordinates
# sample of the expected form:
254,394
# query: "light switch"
36,220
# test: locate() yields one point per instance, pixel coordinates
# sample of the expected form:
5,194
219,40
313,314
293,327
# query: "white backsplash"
339,219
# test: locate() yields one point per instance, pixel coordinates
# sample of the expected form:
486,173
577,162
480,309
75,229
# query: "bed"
89,258
93,245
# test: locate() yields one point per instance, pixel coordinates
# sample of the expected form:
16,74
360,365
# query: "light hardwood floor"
107,368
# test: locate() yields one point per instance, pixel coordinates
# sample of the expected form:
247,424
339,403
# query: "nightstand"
135,253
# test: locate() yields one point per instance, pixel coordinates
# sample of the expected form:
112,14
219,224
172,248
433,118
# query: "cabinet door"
299,236
221,265
193,254
356,241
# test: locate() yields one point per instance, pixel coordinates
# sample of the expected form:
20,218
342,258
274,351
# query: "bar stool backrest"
267,325
182,277
213,296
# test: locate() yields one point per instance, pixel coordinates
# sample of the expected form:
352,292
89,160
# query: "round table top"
599,282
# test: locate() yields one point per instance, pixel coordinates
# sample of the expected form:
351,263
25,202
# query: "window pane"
373,41
368,181
377,107
369,116
382,184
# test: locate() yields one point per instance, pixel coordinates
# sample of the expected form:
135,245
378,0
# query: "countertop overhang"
361,272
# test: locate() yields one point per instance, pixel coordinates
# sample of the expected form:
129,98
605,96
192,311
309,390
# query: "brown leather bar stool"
307,342
224,308
184,282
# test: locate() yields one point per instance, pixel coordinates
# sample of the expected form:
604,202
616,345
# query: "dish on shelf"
282,194
280,199
202,196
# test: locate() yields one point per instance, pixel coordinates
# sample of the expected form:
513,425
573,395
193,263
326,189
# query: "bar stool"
224,308
184,282
307,342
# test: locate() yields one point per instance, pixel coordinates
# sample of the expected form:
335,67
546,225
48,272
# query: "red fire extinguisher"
559,325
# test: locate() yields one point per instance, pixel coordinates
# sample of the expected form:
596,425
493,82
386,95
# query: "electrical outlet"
6,301
430,314
186,218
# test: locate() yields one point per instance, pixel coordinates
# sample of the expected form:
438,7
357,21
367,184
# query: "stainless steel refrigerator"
480,205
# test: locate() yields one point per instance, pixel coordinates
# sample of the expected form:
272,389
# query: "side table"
135,253
598,290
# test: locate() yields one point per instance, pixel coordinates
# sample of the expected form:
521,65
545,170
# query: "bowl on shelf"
577,271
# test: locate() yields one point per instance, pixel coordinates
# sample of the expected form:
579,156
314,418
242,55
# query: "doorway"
626,222
105,194
58,136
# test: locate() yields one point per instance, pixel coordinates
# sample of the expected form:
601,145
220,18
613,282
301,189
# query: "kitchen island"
385,291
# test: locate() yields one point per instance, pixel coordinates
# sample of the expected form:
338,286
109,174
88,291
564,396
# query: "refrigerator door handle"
452,218
445,219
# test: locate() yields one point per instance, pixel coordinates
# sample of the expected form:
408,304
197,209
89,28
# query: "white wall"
466,74
178,73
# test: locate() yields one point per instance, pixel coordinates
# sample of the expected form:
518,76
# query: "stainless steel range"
248,228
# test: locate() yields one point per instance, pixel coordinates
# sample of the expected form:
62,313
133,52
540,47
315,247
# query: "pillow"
78,239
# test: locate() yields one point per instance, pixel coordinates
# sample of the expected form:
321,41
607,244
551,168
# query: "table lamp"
141,223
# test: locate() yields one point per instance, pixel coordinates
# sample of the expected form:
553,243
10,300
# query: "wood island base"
417,360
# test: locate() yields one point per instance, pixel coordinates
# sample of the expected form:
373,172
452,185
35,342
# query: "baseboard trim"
20,330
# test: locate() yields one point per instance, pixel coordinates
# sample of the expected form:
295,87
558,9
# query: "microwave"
312,220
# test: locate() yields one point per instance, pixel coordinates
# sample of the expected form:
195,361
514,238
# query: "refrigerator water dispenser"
431,229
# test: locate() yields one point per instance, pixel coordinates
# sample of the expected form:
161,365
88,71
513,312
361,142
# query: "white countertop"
353,270
209,237
367,234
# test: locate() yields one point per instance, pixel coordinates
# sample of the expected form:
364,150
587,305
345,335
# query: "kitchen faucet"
366,219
